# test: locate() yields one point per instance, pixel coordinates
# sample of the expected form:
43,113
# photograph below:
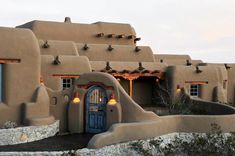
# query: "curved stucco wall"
27,134
20,79
212,76
142,130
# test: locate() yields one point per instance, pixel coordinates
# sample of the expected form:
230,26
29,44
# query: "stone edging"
27,134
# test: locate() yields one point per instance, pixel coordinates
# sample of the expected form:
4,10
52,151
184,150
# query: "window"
224,84
67,83
194,90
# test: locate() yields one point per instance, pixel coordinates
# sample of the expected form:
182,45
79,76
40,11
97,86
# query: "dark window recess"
67,83
194,90
225,84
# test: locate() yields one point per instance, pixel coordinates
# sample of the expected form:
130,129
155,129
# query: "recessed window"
194,90
225,84
67,83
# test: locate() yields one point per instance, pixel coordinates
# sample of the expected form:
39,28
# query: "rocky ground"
170,144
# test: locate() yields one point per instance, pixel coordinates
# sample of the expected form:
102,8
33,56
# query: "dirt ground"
56,143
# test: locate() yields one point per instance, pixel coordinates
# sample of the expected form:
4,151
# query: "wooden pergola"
130,76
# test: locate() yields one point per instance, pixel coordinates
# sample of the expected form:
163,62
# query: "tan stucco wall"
81,33
214,75
143,91
20,80
58,48
172,60
231,84
144,130
126,110
70,65
124,53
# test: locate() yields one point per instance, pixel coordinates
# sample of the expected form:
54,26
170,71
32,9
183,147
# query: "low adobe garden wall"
27,134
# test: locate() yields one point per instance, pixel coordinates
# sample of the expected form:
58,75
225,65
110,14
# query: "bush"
214,143
9,124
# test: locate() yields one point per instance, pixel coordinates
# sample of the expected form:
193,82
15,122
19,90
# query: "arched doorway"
96,101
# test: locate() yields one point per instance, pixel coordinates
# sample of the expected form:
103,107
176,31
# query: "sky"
203,29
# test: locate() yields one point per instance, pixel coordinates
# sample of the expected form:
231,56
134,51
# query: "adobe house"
93,77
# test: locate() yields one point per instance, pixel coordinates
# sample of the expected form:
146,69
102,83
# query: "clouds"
201,28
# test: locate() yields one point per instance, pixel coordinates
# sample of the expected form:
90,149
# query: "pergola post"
130,87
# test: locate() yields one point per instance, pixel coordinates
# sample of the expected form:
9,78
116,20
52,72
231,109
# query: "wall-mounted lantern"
112,100
41,81
178,88
76,98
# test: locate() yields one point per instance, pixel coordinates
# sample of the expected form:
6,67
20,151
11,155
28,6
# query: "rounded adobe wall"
212,76
125,110
144,130
20,78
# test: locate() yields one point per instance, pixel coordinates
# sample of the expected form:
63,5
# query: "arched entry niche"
96,100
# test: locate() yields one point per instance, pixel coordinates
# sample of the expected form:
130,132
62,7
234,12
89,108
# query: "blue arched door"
96,101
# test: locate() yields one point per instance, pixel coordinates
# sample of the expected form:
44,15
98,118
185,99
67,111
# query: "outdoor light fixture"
76,98
41,81
112,100
178,89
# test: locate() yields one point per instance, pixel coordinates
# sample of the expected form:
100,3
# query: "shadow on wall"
212,108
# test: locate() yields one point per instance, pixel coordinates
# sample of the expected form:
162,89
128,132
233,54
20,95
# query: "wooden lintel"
86,86
9,60
133,76
66,75
197,82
